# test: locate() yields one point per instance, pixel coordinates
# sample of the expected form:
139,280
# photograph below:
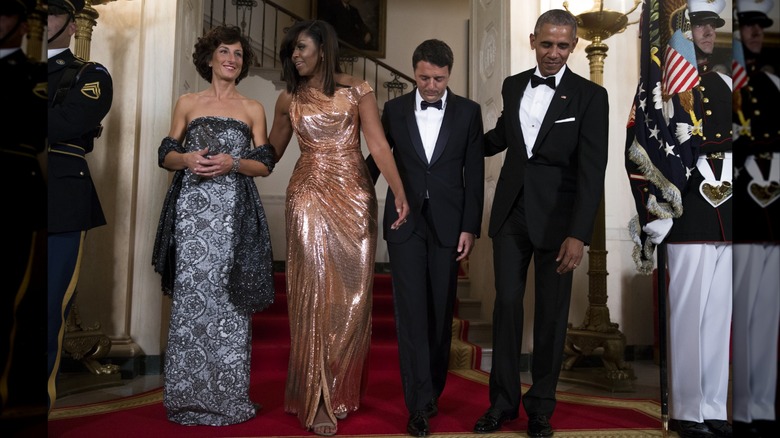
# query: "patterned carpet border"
648,407
625,433
134,401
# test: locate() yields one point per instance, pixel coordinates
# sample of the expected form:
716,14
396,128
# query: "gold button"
706,100
766,135
754,100
701,88
757,112
717,135
703,138
81,173
644,189
708,112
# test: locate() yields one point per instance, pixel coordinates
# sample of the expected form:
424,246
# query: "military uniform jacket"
73,203
25,91
700,221
759,213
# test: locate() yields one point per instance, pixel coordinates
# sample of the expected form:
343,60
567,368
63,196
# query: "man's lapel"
446,126
559,102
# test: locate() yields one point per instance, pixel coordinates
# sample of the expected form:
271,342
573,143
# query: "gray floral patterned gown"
207,360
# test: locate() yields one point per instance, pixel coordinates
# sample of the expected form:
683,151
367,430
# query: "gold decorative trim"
135,401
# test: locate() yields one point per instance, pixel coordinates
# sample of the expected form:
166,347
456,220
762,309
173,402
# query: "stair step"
480,332
487,359
464,287
469,308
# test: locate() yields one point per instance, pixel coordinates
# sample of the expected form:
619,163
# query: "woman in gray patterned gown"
212,247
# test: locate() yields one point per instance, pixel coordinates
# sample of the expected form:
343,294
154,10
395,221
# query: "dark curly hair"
208,43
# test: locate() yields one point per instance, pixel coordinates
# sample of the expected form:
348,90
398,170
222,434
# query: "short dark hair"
323,34
557,17
210,41
436,52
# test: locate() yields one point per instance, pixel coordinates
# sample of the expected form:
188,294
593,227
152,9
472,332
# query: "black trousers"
425,280
512,255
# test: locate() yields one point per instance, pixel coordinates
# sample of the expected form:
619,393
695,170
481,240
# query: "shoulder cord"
71,75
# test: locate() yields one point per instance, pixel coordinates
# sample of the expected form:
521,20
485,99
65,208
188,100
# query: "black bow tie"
549,81
425,105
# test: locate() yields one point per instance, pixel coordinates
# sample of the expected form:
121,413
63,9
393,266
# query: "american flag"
738,72
664,126
679,72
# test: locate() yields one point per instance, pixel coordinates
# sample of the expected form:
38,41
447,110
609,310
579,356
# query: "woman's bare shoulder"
347,80
252,104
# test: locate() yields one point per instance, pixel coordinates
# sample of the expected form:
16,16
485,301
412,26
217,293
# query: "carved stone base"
601,378
86,344
616,375
74,383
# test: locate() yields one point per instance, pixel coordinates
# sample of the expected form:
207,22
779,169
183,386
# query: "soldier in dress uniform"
757,231
22,321
80,95
700,253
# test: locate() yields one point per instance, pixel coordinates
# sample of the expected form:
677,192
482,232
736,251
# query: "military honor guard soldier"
22,320
756,290
80,95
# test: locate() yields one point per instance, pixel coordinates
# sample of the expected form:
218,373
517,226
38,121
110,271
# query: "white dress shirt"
429,122
533,108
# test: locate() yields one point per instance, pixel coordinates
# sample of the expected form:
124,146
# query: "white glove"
657,230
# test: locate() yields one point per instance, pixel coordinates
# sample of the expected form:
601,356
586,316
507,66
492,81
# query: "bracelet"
236,164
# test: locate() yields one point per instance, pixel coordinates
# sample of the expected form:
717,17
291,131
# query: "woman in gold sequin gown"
331,221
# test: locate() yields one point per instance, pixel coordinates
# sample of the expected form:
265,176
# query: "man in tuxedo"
437,139
80,95
554,128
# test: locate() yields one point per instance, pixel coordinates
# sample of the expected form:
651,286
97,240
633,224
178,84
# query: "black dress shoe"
720,428
432,408
690,429
745,430
539,426
418,424
491,421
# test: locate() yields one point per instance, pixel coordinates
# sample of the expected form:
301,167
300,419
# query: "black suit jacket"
563,181
453,180
73,202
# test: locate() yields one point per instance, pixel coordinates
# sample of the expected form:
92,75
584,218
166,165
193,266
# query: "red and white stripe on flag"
738,75
679,75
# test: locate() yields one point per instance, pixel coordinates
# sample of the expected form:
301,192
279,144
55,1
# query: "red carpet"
382,412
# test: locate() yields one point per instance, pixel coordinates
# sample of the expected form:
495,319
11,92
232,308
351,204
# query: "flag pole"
664,385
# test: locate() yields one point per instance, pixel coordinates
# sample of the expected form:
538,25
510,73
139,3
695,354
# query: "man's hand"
570,255
465,245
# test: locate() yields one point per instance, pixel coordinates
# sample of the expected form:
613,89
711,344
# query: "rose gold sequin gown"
331,219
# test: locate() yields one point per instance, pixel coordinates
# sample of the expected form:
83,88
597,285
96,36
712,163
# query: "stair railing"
274,22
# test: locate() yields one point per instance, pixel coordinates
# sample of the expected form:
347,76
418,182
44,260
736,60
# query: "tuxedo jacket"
453,179
73,201
562,183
